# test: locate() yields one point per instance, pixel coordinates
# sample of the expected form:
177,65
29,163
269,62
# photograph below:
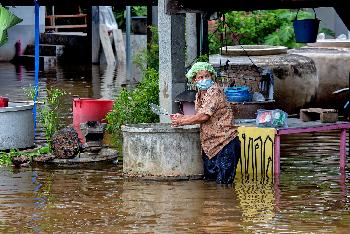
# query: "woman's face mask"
205,83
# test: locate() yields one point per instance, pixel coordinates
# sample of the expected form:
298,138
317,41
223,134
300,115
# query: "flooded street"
311,196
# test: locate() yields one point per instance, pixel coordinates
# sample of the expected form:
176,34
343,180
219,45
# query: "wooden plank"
65,16
119,45
67,26
106,45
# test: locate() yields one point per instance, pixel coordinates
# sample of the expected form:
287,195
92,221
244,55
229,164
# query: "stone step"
75,46
45,62
69,39
45,50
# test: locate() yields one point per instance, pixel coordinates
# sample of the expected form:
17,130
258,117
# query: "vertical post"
89,32
127,44
205,44
95,34
199,31
53,19
276,160
342,149
36,58
149,24
191,38
171,58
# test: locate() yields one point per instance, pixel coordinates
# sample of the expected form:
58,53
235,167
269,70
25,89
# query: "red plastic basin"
89,109
4,101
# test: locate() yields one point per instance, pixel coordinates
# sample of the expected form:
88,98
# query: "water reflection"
101,200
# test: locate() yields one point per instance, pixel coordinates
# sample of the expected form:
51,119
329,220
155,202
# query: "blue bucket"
238,94
306,30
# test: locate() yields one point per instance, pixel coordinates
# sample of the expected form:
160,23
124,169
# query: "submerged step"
45,50
44,61
70,39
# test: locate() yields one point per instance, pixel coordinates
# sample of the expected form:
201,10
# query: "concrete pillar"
171,29
95,35
191,38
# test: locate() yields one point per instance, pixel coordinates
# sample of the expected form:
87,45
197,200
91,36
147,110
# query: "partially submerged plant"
6,158
48,110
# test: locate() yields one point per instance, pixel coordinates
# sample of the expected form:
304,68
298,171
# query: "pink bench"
296,126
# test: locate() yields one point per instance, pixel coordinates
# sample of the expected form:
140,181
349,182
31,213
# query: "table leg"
277,155
342,149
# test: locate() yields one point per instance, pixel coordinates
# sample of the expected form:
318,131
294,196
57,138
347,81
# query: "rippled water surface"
311,196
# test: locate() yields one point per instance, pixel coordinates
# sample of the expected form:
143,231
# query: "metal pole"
127,47
201,35
36,59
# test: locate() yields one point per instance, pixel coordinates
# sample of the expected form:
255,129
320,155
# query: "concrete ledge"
253,50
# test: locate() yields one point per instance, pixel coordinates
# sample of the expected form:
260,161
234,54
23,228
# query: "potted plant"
139,20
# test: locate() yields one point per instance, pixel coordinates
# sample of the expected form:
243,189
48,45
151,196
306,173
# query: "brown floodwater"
310,196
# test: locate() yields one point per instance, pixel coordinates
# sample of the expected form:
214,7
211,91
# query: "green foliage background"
271,27
132,106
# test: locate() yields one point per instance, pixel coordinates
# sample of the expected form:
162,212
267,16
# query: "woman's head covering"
200,66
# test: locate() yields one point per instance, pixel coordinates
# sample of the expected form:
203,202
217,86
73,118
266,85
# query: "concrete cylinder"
158,150
16,126
295,77
333,69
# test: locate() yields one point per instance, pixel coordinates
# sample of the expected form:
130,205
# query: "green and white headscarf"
200,66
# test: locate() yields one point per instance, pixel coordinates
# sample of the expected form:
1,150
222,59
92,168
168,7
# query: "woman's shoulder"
215,89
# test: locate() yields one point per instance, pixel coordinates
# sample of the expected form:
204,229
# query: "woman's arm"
180,120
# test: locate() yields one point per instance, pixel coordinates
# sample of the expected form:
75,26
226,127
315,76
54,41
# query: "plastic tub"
89,109
4,102
238,94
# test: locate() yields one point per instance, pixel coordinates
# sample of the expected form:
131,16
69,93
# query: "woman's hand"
176,120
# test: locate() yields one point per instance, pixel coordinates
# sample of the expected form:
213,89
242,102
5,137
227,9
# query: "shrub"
273,27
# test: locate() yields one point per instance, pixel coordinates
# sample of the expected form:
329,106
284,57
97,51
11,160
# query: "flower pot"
139,25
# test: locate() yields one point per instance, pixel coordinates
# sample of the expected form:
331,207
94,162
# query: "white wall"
330,19
23,31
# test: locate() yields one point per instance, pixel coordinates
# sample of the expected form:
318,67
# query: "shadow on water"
310,195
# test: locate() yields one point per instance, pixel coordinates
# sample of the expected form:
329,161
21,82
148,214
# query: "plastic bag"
258,97
107,17
271,118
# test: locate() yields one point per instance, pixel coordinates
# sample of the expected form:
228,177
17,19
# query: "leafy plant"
6,158
273,27
132,106
139,10
149,57
48,110
120,14
203,58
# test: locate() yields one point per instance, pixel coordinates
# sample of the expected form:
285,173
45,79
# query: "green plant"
132,106
139,10
149,57
48,110
203,58
6,158
273,27
120,14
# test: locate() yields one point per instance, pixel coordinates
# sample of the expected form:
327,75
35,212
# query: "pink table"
297,126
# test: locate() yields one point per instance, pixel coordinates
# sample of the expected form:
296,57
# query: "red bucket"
4,102
89,109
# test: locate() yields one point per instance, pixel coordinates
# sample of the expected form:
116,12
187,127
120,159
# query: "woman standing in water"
218,135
